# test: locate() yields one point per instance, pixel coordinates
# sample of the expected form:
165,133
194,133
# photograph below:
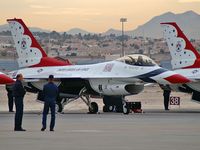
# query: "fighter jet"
111,80
185,59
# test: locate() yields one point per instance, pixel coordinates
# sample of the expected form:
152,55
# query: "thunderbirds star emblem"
23,44
178,46
108,67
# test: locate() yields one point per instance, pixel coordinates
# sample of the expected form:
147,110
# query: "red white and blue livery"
111,80
185,59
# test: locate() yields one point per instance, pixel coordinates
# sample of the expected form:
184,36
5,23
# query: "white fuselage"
191,73
108,78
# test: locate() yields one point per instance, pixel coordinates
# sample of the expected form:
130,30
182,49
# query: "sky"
91,15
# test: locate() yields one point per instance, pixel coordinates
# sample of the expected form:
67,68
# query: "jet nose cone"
177,78
5,79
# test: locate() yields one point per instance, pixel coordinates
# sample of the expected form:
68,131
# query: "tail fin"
29,51
183,53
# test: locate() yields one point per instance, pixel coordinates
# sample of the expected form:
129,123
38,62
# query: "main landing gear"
126,109
59,107
115,104
92,106
61,102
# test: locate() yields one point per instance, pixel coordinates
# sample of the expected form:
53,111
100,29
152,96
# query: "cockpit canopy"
137,60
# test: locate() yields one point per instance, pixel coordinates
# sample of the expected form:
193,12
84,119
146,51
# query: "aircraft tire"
108,108
126,109
111,108
105,108
94,108
59,107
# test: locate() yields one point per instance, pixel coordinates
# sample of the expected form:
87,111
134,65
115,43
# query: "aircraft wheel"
105,108
59,107
111,108
108,108
94,108
126,109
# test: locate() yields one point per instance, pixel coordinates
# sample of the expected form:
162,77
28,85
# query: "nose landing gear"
92,106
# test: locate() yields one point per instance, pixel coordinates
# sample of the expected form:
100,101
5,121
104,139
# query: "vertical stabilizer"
29,51
183,53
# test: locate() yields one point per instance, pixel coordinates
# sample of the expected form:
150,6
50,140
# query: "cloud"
69,11
30,1
39,6
188,1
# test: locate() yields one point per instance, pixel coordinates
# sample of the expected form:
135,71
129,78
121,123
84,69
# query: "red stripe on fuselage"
177,78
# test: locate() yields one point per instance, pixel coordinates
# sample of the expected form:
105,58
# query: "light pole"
122,20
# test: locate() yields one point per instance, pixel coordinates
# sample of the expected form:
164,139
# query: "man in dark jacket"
9,89
18,94
166,95
50,91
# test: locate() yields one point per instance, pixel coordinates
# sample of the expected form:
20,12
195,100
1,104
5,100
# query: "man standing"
166,94
9,89
18,94
50,91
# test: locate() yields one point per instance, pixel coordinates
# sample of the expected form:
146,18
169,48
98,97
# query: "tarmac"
155,129
152,130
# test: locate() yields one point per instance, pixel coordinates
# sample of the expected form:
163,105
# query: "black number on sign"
174,100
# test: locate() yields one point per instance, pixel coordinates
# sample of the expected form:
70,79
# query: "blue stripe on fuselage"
147,76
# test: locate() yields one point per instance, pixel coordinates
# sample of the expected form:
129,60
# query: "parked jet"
111,80
5,79
185,59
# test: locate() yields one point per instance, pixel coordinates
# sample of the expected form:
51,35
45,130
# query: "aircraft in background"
5,79
185,59
30,53
111,80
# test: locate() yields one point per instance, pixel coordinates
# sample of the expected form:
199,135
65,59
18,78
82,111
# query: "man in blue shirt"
50,91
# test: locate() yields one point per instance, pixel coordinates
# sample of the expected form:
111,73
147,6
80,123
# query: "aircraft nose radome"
5,79
177,78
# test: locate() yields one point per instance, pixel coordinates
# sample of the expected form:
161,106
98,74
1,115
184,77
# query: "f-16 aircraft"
185,59
5,79
111,80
